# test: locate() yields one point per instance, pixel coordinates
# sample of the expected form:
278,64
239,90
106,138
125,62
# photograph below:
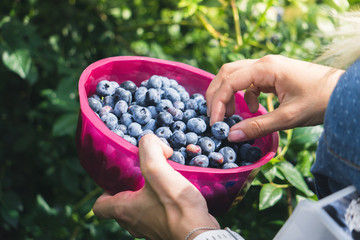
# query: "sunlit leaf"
18,61
269,196
306,135
294,177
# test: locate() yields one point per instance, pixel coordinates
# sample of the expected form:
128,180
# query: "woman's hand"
167,207
303,90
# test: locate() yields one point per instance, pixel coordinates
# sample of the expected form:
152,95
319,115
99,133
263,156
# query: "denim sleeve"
337,162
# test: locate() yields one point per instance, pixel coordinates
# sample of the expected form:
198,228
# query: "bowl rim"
96,122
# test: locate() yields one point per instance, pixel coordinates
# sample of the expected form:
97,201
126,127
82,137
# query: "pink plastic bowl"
113,163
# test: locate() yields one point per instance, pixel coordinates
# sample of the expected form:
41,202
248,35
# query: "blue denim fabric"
337,162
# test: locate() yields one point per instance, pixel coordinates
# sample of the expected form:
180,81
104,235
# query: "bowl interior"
138,69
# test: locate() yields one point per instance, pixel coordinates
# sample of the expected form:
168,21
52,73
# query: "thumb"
260,126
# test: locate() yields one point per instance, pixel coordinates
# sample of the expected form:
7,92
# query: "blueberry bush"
44,47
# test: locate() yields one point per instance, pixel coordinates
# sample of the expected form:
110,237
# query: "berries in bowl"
124,98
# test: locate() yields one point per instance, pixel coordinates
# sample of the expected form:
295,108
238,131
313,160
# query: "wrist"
197,231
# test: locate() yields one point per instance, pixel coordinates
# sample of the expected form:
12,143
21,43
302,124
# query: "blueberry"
94,104
140,95
245,163
205,118
165,83
177,157
118,132
233,145
207,145
249,153
152,97
230,121
144,83
164,119
109,101
202,107
153,111
151,125
110,120
178,139
228,154
236,118
120,108
165,141
171,94
105,88
217,142
105,110
182,150
178,88
132,107
184,95
143,133
199,161
191,104
130,139
220,130
216,159
163,105
134,129
193,150
122,94
229,165
178,125
129,85
191,138
189,114
126,119
154,82
114,84
176,113
97,97
196,125
141,115
198,97
122,128
163,132
179,105
173,83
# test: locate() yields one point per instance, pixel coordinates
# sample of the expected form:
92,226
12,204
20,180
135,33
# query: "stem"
290,208
280,185
286,147
269,102
90,195
237,23
211,29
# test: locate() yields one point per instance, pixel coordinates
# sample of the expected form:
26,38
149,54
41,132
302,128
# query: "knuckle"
258,129
269,59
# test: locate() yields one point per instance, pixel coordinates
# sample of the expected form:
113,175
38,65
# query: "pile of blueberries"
163,107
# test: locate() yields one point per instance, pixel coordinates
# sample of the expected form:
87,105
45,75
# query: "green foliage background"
44,47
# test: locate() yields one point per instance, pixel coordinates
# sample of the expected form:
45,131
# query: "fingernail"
236,136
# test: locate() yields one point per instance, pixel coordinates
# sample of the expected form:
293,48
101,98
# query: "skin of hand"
167,207
303,90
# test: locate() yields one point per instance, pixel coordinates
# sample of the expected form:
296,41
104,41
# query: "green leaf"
65,125
306,135
304,163
269,196
44,205
294,177
11,216
18,61
269,171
